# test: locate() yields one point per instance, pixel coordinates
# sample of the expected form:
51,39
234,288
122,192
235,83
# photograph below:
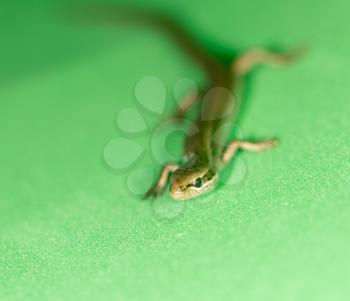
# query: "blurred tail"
131,15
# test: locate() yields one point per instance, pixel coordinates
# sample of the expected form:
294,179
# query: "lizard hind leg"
256,56
186,103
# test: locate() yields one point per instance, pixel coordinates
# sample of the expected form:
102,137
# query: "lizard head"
188,182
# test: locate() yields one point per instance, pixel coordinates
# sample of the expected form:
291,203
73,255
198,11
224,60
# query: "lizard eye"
198,183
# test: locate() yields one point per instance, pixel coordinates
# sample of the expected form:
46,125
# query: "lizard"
203,158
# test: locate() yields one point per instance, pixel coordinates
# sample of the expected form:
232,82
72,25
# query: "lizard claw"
160,185
153,192
268,143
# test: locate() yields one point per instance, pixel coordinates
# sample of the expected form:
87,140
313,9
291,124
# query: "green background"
69,228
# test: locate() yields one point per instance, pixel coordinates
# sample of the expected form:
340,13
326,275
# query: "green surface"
70,229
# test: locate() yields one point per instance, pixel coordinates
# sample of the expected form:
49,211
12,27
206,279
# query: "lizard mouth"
179,195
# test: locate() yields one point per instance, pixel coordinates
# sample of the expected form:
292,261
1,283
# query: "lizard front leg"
256,146
158,187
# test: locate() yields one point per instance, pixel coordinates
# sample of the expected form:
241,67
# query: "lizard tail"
158,20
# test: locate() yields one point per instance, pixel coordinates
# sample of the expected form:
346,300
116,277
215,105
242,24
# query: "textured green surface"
69,230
